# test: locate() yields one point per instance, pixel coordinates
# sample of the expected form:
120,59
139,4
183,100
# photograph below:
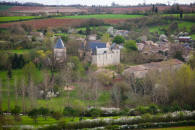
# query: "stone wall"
109,58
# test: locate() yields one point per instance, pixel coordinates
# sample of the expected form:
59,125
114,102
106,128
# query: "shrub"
69,111
44,112
112,127
34,114
94,112
153,109
118,39
16,110
56,115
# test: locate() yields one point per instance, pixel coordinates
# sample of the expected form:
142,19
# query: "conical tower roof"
59,44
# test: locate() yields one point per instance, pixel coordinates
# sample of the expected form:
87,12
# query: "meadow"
17,18
102,16
176,128
4,7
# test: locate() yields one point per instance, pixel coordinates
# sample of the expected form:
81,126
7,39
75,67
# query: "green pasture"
176,128
4,7
178,15
102,16
181,25
19,51
55,104
16,18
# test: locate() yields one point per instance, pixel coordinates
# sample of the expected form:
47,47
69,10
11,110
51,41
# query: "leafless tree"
16,91
0,95
8,95
23,89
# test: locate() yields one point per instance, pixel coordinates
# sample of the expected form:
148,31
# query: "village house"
115,32
100,54
140,71
150,48
60,51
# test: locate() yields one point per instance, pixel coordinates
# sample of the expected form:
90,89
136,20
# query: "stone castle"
101,54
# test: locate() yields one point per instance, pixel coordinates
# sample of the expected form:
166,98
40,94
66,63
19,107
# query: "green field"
102,16
177,15
176,128
181,25
4,7
19,51
16,18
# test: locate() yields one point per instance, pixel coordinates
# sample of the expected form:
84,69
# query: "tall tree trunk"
23,97
16,91
8,95
0,95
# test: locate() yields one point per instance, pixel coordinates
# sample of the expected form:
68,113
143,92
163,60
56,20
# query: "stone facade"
106,56
100,54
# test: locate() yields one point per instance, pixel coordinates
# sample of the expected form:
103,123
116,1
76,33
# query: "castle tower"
60,51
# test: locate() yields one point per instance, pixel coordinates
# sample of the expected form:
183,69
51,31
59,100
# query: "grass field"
56,104
181,25
102,16
4,7
19,51
177,15
16,18
176,128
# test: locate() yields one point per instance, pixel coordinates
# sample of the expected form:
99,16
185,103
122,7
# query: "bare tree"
16,91
0,95
8,95
23,95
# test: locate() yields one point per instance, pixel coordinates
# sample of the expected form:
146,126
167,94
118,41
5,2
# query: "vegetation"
37,89
103,16
17,18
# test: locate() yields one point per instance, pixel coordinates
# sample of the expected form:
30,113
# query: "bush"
44,112
94,112
130,45
153,109
34,114
112,127
56,115
69,111
118,39
16,110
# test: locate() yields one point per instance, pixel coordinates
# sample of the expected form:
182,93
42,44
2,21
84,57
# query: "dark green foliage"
112,127
153,109
69,111
44,112
56,115
88,30
181,15
118,39
130,45
9,73
94,112
16,110
17,61
34,113
178,55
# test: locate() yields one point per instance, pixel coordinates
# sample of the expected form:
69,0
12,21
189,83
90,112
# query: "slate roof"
59,44
95,44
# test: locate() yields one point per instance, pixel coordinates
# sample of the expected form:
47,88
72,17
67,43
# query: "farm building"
100,54
60,51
